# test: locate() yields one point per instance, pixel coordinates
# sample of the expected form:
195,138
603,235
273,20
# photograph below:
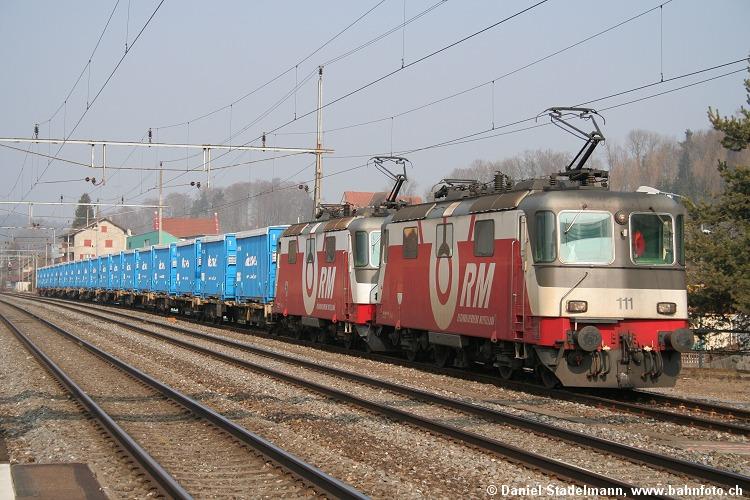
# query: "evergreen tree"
719,235
83,212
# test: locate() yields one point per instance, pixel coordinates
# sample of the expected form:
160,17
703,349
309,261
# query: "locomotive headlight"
621,217
666,308
577,306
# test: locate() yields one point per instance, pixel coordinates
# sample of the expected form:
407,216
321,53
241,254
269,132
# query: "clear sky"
195,57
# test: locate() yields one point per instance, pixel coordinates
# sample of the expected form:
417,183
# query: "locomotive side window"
410,243
291,255
544,237
651,239
360,249
586,237
444,241
330,248
680,238
375,248
310,254
484,238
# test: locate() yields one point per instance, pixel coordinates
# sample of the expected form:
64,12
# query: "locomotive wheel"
412,354
351,341
506,372
548,378
443,355
320,337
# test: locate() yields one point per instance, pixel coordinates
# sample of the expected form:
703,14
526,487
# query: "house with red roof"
189,227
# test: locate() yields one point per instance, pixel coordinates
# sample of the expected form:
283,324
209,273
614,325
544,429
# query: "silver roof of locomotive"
533,199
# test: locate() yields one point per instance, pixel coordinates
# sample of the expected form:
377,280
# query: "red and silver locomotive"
558,275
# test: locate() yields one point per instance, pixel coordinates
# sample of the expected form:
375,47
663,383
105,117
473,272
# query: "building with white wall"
100,238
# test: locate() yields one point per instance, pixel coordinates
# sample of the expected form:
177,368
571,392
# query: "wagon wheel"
443,355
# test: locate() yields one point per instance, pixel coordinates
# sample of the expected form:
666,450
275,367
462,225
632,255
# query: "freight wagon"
230,276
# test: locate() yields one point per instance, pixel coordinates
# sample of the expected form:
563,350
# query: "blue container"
218,266
84,280
71,274
256,264
79,274
129,266
143,273
115,270
187,278
93,280
103,264
164,267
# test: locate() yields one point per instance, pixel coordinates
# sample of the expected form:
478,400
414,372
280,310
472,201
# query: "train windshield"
652,239
375,248
586,237
367,249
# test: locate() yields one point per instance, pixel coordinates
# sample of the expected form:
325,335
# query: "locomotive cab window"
310,253
484,238
444,241
680,240
652,239
375,248
330,248
360,249
586,237
544,236
291,256
410,243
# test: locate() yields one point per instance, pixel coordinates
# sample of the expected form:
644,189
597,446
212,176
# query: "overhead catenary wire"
494,132
99,92
64,103
414,63
298,85
464,137
473,137
85,67
409,65
492,81
275,78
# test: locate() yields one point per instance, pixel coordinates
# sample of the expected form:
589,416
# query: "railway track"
183,446
656,460
711,416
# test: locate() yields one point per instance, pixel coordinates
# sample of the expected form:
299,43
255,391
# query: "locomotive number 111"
625,303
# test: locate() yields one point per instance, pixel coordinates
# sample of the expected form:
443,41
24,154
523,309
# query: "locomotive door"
519,265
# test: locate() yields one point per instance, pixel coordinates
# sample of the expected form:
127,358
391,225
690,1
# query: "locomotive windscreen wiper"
574,220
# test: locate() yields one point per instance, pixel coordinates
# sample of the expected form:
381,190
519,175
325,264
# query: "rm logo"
327,279
477,285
